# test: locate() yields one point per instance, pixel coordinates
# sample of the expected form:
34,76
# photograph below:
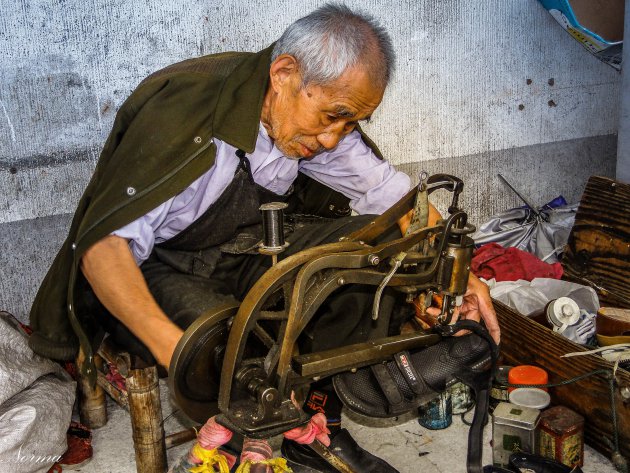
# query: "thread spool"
273,228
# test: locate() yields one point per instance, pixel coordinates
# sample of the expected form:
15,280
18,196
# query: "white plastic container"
530,397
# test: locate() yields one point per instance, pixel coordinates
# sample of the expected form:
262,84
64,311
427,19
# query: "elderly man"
194,151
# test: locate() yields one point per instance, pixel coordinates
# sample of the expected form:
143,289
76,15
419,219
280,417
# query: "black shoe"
302,459
397,387
495,469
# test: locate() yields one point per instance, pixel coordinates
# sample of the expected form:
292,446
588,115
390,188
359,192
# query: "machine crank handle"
451,183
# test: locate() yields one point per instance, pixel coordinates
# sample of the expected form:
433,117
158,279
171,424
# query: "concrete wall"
481,87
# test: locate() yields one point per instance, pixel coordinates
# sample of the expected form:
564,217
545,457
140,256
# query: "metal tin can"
461,398
561,436
438,413
513,430
499,392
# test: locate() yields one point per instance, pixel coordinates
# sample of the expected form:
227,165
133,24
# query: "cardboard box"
596,24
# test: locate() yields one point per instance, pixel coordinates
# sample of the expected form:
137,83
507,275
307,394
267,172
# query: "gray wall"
482,87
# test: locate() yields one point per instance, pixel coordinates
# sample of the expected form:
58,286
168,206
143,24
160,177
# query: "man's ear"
284,72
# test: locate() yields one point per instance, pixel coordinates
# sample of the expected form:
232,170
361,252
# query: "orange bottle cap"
527,374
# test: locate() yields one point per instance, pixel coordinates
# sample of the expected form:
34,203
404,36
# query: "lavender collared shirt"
372,184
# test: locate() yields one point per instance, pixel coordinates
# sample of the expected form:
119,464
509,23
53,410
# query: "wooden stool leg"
146,420
92,402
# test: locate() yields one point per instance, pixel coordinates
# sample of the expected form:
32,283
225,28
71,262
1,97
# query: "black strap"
480,382
477,329
387,384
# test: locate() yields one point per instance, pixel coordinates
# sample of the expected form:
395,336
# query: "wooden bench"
140,396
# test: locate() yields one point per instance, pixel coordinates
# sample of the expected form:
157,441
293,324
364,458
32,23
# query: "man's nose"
331,137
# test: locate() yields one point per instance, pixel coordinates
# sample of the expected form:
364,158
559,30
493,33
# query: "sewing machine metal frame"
255,395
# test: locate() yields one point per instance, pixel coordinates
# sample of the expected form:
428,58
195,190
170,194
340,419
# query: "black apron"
232,224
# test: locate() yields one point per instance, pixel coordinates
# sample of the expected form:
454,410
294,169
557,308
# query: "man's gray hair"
333,38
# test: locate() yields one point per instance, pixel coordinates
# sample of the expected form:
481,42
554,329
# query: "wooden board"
527,342
598,251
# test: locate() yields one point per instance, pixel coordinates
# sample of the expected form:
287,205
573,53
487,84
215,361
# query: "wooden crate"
597,254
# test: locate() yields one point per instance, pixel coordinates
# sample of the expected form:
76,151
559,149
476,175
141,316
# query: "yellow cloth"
209,458
278,465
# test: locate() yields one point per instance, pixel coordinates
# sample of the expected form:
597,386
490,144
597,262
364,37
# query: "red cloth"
510,264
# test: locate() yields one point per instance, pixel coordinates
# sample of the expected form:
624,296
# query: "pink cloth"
510,264
213,435
315,429
115,378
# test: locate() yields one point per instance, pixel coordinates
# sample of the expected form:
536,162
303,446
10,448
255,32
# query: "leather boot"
302,459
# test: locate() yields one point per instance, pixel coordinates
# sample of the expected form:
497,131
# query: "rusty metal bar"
360,354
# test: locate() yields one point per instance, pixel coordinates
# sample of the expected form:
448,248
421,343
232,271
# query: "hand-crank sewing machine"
243,361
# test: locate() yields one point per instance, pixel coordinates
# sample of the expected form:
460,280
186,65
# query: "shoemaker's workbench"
598,254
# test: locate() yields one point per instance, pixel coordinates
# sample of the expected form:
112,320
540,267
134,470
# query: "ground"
403,443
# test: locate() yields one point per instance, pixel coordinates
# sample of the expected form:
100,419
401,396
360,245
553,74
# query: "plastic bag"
530,299
36,399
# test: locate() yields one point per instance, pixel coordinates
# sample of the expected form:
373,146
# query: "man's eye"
331,118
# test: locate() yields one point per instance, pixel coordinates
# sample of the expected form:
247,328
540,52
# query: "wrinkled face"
304,121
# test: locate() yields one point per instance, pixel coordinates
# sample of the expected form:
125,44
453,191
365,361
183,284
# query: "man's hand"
477,305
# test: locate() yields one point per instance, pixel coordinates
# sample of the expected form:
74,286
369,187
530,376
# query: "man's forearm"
119,284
